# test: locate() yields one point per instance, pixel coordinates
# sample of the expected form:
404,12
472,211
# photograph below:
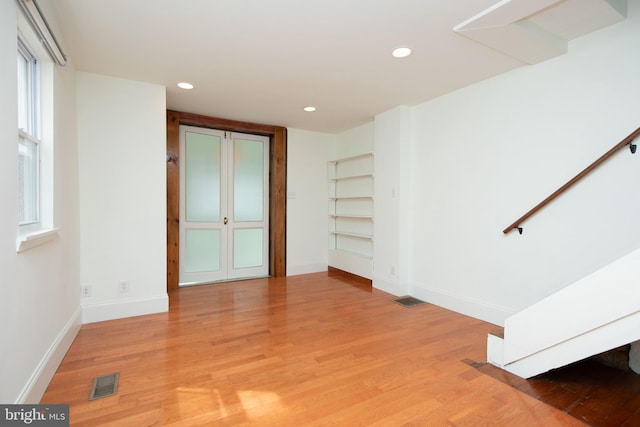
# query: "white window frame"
29,135
37,128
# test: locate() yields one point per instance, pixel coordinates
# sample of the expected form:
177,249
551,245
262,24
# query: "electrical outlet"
123,286
85,291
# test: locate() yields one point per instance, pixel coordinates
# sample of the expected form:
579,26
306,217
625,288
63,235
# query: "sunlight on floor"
187,396
254,403
259,403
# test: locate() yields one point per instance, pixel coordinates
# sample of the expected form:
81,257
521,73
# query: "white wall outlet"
123,286
85,291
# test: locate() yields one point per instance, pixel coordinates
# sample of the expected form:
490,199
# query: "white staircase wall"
595,314
606,337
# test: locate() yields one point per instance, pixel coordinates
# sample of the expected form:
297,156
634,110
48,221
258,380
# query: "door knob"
225,220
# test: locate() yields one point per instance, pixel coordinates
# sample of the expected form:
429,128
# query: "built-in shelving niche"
351,181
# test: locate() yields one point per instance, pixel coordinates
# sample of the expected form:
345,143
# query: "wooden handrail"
592,166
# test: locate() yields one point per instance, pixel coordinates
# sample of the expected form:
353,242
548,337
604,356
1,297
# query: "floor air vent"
408,301
104,386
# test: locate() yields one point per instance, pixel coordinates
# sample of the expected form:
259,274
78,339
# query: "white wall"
484,155
307,220
353,142
391,201
122,153
39,307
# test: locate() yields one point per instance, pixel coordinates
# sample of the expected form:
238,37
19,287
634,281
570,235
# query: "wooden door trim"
277,186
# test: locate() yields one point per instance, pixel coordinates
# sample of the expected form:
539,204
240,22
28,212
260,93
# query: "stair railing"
516,225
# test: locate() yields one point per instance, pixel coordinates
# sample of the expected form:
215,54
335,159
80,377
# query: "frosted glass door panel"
203,250
224,205
248,180
247,247
202,180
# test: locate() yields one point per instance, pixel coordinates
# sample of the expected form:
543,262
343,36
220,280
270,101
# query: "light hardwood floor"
308,350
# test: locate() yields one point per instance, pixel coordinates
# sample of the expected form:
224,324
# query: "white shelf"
349,234
351,181
344,178
350,158
351,198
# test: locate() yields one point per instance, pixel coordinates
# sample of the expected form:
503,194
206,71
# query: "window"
28,139
35,192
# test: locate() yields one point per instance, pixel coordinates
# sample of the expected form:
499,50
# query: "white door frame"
225,224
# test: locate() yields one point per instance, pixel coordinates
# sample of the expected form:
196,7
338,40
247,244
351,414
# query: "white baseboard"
125,308
39,380
351,263
297,270
461,304
393,288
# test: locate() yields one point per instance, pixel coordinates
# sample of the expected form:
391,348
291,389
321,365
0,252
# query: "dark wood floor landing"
590,391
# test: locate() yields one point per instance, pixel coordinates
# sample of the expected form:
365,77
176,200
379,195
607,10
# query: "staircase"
598,313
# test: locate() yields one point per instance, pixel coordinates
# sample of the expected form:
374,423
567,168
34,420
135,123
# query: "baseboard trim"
351,262
337,272
39,381
111,310
395,289
297,270
463,305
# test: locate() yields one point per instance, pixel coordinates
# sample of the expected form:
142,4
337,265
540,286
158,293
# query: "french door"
224,200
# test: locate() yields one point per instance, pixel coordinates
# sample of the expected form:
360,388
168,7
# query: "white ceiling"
264,60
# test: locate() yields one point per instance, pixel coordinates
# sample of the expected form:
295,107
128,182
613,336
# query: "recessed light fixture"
185,85
401,52
309,109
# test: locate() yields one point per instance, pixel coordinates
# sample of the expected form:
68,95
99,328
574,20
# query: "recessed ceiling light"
185,85
401,52
309,109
